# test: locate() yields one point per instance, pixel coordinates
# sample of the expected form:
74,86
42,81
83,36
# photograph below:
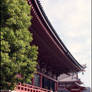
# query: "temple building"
70,83
54,58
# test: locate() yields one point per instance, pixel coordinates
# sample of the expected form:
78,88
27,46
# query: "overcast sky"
72,21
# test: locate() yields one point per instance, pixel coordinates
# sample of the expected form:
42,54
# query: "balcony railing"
29,88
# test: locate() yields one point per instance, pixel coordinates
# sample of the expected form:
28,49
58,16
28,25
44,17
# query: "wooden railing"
29,88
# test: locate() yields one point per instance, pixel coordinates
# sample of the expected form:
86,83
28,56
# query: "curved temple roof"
42,23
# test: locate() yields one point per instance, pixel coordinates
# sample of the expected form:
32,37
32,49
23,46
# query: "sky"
72,21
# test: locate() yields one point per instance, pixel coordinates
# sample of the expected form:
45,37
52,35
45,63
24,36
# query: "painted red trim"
29,88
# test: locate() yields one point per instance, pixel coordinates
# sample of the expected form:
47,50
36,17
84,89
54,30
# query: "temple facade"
54,58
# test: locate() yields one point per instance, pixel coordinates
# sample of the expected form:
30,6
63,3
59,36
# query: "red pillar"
56,86
32,81
40,80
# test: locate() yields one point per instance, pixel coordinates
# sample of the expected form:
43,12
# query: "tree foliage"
17,56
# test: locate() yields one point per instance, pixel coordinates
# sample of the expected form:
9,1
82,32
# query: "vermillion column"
40,80
32,81
56,86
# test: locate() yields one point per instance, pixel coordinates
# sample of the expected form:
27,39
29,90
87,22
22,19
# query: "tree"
17,56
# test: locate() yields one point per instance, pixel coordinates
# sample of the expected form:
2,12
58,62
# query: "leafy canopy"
17,56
